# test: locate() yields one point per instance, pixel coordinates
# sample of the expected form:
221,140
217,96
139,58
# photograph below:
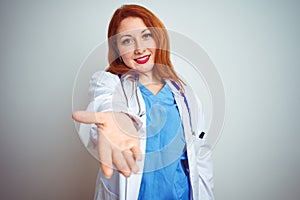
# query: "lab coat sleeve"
105,96
102,86
204,161
100,92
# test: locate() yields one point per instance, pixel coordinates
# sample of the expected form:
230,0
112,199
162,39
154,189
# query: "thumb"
88,117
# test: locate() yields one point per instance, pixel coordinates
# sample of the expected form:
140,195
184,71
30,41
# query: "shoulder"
193,99
102,81
188,93
103,76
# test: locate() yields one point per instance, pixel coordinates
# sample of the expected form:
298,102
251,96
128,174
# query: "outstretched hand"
118,142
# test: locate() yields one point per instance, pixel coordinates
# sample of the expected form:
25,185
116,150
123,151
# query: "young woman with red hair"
143,122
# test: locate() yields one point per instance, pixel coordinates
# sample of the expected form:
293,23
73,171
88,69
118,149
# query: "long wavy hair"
163,67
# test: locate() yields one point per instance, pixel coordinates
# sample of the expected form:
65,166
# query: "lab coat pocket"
199,142
103,192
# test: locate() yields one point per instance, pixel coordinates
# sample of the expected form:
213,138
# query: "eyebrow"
128,35
144,30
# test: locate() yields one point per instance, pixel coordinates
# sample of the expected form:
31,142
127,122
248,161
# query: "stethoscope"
134,77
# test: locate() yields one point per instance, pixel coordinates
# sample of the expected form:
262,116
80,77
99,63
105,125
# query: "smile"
143,59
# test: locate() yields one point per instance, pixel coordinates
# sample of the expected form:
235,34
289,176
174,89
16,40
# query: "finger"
120,163
105,156
85,117
88,117
128,155
137,153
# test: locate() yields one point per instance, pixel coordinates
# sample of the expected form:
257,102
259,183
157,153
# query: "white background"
253,44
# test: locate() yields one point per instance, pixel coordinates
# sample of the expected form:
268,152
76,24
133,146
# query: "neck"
151,82
149,78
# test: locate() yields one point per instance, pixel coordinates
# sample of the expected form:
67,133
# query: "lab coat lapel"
129,187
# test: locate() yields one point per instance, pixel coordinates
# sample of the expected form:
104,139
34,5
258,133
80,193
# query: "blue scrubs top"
163,176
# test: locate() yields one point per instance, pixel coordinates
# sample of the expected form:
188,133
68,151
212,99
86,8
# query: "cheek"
125,52
127,56
127,59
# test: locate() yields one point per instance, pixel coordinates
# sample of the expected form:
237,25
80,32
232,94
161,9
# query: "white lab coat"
106,95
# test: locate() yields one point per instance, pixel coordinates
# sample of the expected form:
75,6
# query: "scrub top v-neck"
163,173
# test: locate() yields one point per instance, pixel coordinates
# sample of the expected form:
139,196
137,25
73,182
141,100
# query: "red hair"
163,67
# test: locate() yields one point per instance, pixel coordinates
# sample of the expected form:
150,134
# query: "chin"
145,68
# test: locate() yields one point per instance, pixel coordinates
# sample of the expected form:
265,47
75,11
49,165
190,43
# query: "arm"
204,161
202,149
113,137
102,86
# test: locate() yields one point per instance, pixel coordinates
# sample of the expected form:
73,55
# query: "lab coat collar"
173,88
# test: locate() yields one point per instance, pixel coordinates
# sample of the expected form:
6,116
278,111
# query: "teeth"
142,59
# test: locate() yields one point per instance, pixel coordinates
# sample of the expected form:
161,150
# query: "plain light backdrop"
253,44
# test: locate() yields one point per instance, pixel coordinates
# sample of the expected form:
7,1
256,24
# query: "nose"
139,48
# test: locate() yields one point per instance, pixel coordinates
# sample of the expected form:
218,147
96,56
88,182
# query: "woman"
146,119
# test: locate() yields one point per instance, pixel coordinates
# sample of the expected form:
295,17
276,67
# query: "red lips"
143,59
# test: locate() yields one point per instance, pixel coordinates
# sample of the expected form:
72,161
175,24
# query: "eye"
127,41
147,35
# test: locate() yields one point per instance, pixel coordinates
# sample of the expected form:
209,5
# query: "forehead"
130,24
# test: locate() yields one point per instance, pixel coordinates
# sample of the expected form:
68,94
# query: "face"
136,44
